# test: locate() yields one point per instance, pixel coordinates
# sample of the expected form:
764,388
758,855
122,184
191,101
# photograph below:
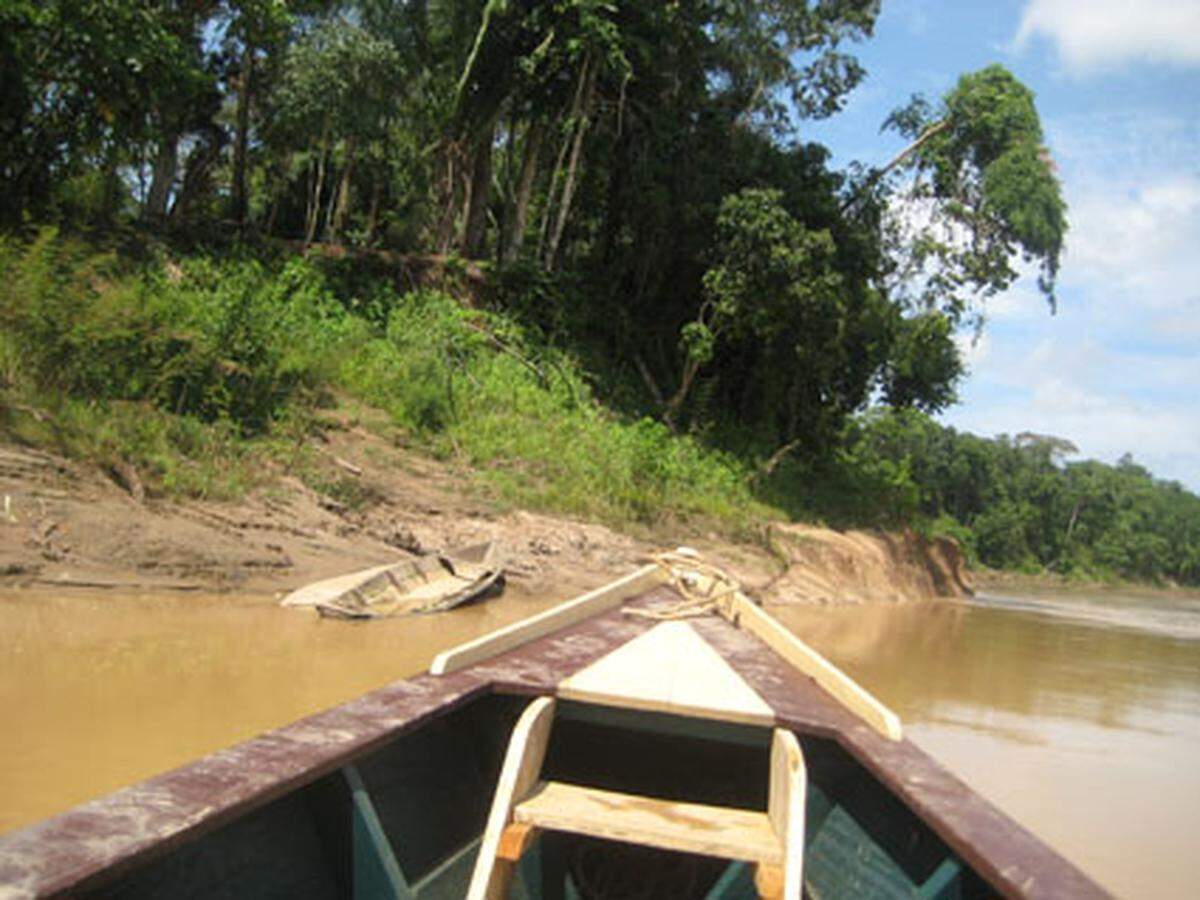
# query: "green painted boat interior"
405,821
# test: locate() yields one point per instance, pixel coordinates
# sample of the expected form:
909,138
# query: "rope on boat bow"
701,584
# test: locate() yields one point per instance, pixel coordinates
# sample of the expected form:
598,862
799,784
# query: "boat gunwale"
188,817
197,798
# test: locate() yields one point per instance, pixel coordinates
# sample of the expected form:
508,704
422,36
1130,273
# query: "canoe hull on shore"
433,583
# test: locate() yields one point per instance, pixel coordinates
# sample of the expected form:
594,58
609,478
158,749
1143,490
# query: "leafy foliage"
230,342
642,154
193,370
478,386
983,189
1015,501
84,80
808,340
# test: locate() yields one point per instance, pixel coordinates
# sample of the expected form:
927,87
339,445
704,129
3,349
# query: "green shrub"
1000,535
231,341
197,372
948,526
477,385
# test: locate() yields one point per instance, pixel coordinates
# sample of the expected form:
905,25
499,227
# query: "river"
1079,716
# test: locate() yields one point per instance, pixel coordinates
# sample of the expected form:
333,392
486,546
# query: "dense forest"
583,244
1014,502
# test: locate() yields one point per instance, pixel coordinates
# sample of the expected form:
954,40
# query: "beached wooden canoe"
433,583
662,736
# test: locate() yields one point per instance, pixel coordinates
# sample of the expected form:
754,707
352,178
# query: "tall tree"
255,28
334,98
980,192
95,84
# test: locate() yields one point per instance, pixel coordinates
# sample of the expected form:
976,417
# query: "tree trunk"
242,138
373,210
568,191
314,200
935,128
480,190
445,232
272,212
196,180
551,190
518,214
337,222
114,188
556,172
690,369
165,164
327,231
310,178
614,217
1074,519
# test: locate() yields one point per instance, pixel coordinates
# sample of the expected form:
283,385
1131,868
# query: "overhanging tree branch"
899,159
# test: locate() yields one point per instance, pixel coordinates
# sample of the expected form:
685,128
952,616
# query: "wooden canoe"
433,583
609,746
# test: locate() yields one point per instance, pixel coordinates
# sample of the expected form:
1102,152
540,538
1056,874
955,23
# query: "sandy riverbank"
65,524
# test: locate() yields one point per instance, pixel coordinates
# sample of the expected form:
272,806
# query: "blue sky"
1118,89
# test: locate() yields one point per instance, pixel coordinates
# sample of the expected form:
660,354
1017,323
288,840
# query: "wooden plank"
768,881
943,884
515,840
669,669
786,804
576,610
375,870
744,613
522,765
451,876
669,825
674,726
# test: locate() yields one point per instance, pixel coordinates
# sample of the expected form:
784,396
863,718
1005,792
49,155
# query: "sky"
1117,369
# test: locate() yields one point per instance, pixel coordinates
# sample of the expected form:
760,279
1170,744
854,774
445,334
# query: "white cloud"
1136,243
1181,327
1061,364
1022,302
1107,400
1125,140
973,348
917,20
1104,427
1099,34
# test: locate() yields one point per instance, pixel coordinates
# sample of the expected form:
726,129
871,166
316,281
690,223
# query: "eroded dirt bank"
66,524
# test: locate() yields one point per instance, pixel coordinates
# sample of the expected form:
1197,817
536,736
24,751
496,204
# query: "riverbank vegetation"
579,246
1013,502
201,374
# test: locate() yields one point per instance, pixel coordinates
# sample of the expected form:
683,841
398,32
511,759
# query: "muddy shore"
64,524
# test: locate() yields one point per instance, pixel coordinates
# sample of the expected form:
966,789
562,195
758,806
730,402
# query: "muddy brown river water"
1080,716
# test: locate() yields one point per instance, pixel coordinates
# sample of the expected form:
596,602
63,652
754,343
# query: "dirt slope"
65,524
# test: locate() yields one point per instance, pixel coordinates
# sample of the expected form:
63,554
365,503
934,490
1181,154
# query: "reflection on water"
98,691
1078,716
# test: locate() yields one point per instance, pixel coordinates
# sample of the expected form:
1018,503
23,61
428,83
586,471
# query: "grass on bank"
208,375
